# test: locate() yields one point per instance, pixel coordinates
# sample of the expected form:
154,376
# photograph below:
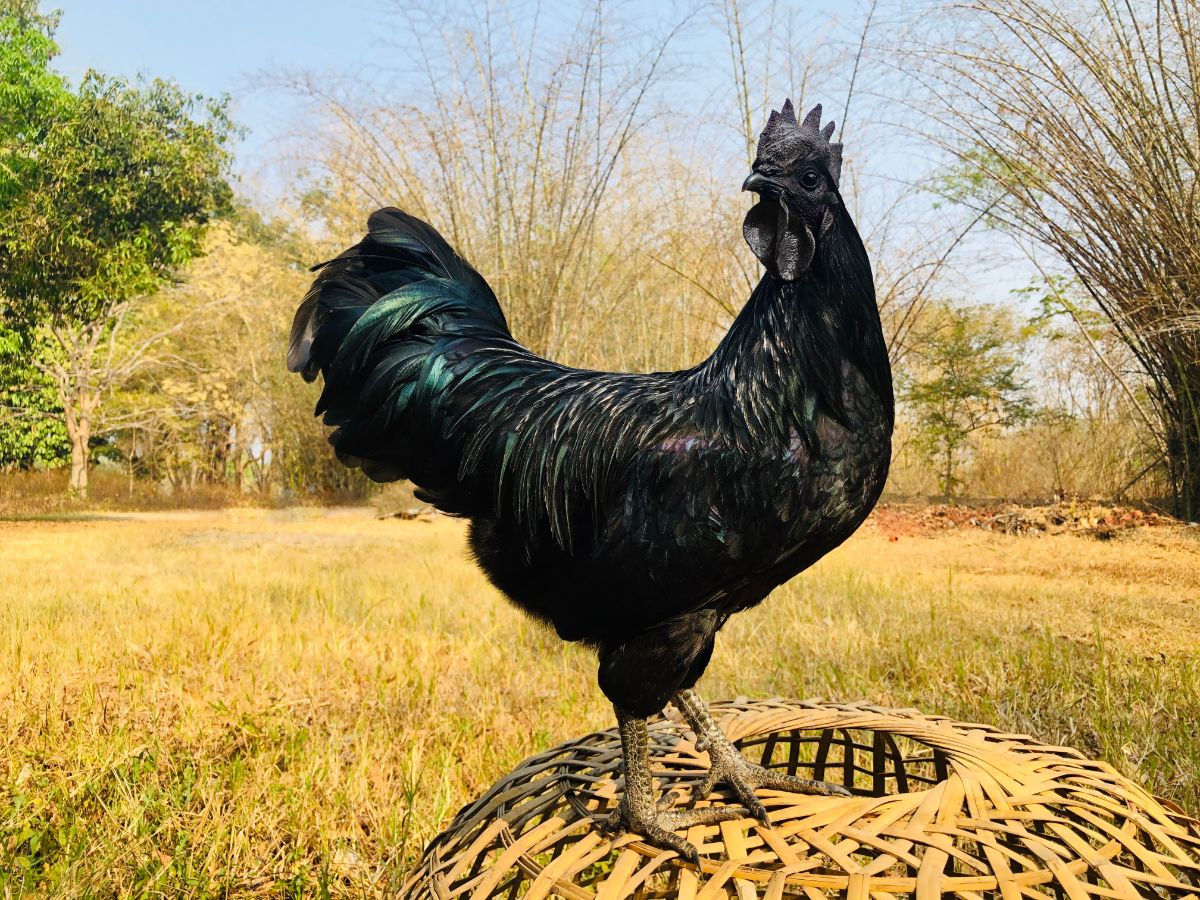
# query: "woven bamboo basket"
939,807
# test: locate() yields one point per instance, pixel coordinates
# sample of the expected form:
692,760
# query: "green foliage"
1055,300
965,381
31,97
31,430
29,15
217,407
105,193
112,196
980,178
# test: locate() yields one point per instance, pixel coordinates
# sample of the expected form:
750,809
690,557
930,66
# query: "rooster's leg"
730,767
637,811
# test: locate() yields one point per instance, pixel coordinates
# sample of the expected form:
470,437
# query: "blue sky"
220,46
217,46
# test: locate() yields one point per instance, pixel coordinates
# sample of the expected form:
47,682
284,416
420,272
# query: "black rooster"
633,512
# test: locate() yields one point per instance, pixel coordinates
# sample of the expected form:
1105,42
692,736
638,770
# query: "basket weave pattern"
939,807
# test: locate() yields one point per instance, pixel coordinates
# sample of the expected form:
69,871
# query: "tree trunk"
79,432
79,392
948,476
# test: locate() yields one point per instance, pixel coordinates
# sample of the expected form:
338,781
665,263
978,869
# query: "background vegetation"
143,314
292,701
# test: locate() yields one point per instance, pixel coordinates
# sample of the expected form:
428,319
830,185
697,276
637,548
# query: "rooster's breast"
697,523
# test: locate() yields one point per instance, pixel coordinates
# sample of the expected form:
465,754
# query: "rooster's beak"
755,182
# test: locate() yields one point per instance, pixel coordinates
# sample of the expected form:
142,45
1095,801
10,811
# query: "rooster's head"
795,175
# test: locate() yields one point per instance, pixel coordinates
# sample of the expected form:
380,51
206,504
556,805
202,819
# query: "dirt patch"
1102,522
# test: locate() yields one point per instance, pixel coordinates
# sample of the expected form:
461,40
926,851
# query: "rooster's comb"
785,138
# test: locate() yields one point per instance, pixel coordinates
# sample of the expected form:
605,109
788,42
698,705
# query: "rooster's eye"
810,179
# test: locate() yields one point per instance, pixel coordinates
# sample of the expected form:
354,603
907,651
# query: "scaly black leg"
730,767
637,811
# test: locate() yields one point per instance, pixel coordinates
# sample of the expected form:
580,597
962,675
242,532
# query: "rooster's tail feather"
372,323
397,251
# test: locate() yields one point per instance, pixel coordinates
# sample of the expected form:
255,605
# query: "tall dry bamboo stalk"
1078,127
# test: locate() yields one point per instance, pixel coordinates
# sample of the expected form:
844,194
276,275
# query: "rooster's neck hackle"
784,356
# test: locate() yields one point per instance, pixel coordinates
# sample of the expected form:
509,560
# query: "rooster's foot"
638,812
657,827
729,767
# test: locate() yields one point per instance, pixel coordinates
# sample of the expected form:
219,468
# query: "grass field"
293,702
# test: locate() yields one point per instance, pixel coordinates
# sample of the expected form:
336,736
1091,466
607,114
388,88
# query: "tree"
32,93
963,380
31,433
216,406
107,193
28,15
1077,125
28,433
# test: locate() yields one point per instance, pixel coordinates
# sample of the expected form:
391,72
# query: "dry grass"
293,702
43,492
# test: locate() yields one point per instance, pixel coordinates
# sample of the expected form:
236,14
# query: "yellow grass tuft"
253,701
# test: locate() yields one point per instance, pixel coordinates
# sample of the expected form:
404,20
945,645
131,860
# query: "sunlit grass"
295,702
